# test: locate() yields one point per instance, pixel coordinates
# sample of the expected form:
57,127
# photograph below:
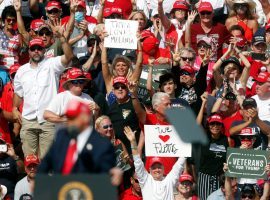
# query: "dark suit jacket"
97,155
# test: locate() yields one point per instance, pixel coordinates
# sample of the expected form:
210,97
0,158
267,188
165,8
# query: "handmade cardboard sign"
121,34
246,163
163,141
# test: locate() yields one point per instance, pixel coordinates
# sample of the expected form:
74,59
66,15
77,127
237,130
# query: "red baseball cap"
186,177
215,118
13,68
37,42
188,69
108,11
120,79
74,74
75,108
205,6
53,4
180,5
150,43
248,131
154,160
263,77
82,3
36,23
31,159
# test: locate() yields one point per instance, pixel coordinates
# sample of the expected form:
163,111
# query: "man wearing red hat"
36,83
121,112
55,112
23,187
154,185
216,31
78,148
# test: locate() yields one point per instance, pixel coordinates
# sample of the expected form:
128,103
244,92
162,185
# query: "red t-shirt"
218,33
6,104
229,120
168,162
128,195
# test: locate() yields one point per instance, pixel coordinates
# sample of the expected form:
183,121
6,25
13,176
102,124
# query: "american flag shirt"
9,50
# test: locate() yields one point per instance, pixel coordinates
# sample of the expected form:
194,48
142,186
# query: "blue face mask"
79,16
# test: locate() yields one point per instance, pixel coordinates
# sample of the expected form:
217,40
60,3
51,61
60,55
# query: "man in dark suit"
78,148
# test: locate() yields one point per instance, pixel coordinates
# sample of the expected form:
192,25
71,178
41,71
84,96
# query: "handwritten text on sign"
163,141
121,34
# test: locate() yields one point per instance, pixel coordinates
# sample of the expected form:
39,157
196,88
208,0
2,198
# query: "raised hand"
83,25
56,27
73,5
133,86
129,133
208,55
191,16
17,5
176,56
204,97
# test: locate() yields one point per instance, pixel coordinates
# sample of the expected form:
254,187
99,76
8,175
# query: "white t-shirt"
58,105
263,108
22,187
158,190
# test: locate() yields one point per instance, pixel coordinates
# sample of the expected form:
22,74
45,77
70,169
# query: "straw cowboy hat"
251,3
74,74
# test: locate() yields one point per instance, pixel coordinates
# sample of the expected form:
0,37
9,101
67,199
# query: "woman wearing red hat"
212,157
121,66
185,188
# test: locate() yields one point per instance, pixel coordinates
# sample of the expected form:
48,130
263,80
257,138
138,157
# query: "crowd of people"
69,104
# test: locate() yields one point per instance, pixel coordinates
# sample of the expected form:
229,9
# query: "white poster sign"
121,33
164,141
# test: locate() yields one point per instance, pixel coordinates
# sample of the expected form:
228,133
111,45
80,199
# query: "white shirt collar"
83,137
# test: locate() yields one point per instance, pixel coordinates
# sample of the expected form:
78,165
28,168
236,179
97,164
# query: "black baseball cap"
91,40
249,102
231,59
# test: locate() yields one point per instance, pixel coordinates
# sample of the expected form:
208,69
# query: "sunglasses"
185,73
240,6
107,126
215,124
250,196
203,46
47,33
206,13
53,11
117,87
187,58
76,82
186,183
136,180
246,137
9,20
34,48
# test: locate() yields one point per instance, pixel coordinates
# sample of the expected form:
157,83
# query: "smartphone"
258,56
3,148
